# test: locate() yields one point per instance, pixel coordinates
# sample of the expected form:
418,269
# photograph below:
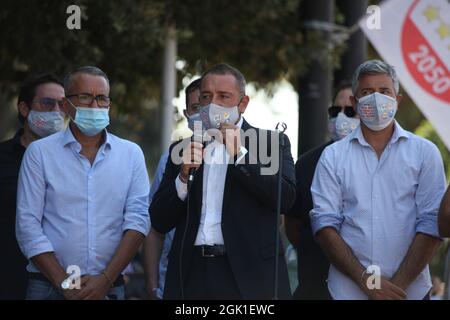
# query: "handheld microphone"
197,136
191,176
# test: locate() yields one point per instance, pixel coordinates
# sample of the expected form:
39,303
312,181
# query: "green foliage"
126,40
426,130
261,37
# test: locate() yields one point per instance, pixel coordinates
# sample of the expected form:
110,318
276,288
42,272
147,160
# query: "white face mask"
46,123
213,115
377,110
332,129
345,125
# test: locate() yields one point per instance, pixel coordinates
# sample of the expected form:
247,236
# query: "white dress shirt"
216,162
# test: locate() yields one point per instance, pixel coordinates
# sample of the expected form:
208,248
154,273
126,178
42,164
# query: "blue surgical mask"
377,110
91,121
46,123
192,119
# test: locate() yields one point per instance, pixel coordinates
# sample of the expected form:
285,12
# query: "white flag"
414,37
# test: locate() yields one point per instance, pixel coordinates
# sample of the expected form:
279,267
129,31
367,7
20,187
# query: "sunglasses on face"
333,111
49,104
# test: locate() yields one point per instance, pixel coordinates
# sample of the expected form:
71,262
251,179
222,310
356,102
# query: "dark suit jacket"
248,221
312,265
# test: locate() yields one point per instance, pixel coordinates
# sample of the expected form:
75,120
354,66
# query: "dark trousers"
210,278
427,296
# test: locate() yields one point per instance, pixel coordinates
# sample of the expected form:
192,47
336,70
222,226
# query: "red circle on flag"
423,63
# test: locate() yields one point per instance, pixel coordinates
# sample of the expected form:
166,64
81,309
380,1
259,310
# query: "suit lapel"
197,191
228,179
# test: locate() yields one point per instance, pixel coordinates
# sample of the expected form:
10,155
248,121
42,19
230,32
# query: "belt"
39,276
217,250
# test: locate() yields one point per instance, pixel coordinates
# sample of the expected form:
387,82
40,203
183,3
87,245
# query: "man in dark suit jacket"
226,240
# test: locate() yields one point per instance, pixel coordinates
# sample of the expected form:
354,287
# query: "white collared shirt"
214,173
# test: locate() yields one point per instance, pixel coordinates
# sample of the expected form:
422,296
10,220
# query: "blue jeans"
44,290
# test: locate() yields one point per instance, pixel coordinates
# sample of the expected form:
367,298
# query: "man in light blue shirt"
376,198
157,246
82,200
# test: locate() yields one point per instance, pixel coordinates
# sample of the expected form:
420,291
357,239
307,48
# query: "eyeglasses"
333,111
49,104
87,99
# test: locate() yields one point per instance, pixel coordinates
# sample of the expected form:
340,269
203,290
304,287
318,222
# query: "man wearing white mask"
312,264
376,197
342,117
82,203
40,112
224,243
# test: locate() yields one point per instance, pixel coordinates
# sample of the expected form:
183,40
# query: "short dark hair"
194,85
342,85
28,89
86,70
224,69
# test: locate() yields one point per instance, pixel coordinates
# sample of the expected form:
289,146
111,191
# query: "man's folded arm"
262,180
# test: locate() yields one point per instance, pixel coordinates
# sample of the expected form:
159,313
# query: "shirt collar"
239,123
68,138
398,133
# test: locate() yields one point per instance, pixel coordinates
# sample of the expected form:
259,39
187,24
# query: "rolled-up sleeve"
327,195
30,205
136,215
430,191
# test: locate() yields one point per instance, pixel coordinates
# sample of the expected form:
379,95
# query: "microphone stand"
196,137
280,129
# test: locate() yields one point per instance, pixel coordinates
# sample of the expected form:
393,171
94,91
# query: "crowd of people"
366,212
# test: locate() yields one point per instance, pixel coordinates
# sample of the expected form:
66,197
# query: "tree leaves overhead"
125,38
261,38
121,37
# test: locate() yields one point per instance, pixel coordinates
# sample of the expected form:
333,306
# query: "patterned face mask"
377,110
46,123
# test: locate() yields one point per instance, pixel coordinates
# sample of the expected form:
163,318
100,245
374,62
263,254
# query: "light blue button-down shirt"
76,210
378,206
168,239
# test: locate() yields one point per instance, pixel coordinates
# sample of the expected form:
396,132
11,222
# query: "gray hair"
94,71
374,67
225,69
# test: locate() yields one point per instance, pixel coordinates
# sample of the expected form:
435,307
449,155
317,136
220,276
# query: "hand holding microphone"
192,159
